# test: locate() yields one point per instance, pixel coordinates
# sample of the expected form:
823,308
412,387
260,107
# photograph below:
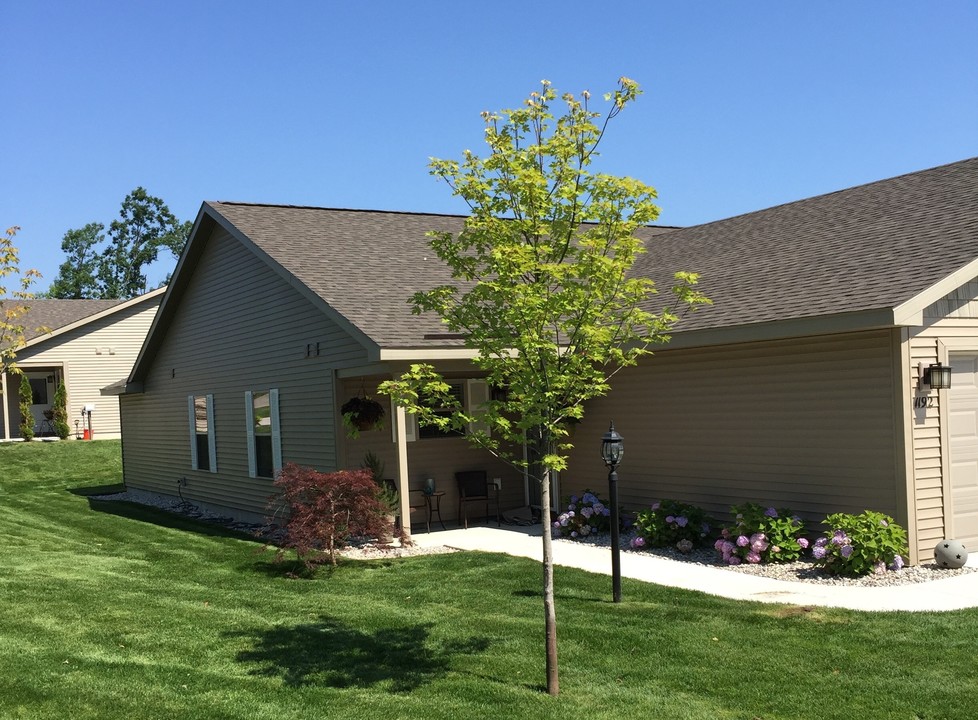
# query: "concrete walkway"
953,593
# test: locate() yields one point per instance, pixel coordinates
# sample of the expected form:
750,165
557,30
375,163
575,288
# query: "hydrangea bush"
761,535
671,523
585,515
860,544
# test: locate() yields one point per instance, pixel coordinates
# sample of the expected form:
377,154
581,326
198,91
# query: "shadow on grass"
156,516
329,652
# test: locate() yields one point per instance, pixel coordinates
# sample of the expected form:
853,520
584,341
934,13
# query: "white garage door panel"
963,441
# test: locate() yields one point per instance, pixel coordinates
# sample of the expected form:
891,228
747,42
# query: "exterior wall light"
936,375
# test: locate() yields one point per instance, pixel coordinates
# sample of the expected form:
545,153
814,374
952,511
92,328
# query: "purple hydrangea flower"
725,533
599,507
718,545
728,547
606,511
803,543
846,550
879,567
573,500
743,540
733,560
670,519
897,563
587,512
822,542
771,512
682,521
637,542
818,552
556,524
574,534
840,538
656,505
753,557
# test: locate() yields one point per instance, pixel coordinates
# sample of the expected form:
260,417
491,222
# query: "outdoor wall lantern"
612,449
936,375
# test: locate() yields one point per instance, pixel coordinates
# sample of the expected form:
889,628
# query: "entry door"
42,390
963,421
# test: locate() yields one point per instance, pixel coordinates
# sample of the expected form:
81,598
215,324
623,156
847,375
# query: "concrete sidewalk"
953,593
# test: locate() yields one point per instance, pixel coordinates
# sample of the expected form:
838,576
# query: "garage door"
963,421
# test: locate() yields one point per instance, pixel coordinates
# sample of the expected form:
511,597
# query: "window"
432,431
39,391
203,451
264,436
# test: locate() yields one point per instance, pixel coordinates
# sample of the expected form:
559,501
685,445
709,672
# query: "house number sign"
924,401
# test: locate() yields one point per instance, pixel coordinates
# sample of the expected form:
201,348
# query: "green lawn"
116,611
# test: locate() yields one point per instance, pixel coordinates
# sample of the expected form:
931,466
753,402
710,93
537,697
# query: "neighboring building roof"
885,249
870,256
47,318
45,315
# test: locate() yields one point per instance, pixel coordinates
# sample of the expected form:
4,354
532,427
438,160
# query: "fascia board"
911,312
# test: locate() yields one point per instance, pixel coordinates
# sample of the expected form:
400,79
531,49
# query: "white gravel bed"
358,549
800,571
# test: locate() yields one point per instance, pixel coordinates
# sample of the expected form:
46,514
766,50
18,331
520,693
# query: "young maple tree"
326,509
542,289
12,300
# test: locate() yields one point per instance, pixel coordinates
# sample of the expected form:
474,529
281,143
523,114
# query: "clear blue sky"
340,104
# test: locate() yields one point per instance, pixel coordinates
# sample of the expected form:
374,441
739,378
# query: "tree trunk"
553,683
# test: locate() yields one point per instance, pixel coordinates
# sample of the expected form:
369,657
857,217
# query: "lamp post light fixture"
936,375
612,449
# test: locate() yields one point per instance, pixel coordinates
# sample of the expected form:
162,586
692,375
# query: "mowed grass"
109,610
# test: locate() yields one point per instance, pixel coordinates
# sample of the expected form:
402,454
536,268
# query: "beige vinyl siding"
438,458
807,423
92,356
240,327
931,479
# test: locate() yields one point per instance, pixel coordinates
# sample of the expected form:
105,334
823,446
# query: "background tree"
115,266
77,276
541,289
26,397
13,299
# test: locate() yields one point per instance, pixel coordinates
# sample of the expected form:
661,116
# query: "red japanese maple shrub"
327,509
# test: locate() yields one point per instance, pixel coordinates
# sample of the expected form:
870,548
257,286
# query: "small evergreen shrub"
326,510
761,535
860,544
60,412
585,515
26,396
671,523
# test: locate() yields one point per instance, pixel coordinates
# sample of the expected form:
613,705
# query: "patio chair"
472,487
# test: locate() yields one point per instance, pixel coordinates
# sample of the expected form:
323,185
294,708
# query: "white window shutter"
193,432
276,432
250,424
476,396
211,433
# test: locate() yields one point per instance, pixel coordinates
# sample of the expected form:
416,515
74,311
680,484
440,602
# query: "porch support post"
6,413
400,420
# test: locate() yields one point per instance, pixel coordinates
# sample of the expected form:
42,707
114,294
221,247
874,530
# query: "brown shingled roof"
54,314
861,250
870,247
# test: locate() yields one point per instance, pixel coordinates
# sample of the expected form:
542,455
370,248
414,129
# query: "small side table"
432,504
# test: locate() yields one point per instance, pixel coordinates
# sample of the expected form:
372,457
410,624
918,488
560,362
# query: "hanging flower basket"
362,413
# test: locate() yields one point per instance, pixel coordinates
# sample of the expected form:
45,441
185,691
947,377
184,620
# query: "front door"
42,400
963,433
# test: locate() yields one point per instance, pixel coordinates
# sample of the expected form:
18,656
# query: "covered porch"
44,381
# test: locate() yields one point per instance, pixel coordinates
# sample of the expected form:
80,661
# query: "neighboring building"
798,387
89,344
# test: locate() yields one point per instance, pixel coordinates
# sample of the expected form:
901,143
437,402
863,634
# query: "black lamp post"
612,448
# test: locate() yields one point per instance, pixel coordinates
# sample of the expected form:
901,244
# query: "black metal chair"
472,487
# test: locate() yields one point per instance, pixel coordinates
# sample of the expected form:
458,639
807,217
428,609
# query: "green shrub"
26,416
669,523
860,544
60,412
761,535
